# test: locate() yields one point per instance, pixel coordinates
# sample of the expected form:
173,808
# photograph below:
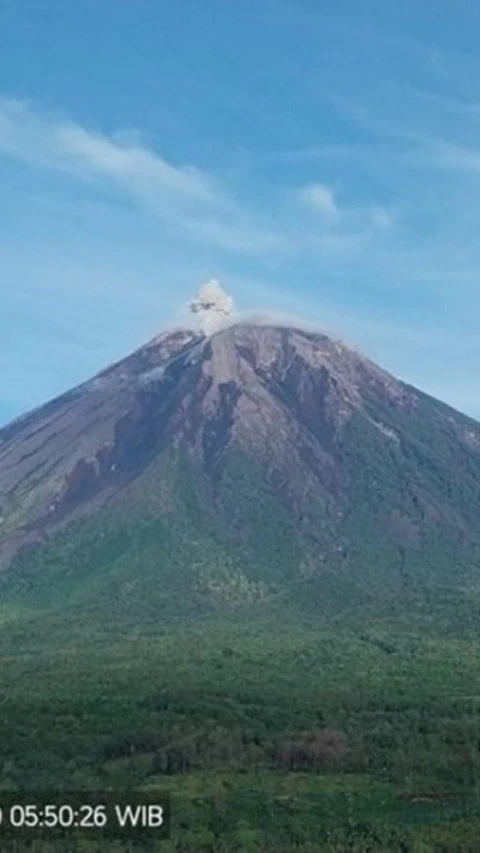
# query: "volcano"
260,463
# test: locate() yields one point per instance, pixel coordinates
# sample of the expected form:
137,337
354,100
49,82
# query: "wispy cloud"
130,163
382,218
182,196
321,200
28,134
448,156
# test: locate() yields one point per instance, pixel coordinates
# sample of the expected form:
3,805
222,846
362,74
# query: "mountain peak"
322,430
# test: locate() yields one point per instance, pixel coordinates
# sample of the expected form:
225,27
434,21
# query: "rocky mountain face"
59,460
262,458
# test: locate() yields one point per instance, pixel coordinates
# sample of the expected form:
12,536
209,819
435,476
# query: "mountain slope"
263,466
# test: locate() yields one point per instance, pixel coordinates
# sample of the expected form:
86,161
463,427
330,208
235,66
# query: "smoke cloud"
213,305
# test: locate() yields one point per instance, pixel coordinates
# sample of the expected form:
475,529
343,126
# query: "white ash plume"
213,305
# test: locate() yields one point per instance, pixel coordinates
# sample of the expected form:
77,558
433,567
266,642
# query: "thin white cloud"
382,218
132,164
424,139
449,156
27,134
321,199
182,196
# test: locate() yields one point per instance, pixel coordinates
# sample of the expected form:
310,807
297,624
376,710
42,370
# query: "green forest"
268,736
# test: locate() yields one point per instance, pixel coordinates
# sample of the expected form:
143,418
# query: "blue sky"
321,159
